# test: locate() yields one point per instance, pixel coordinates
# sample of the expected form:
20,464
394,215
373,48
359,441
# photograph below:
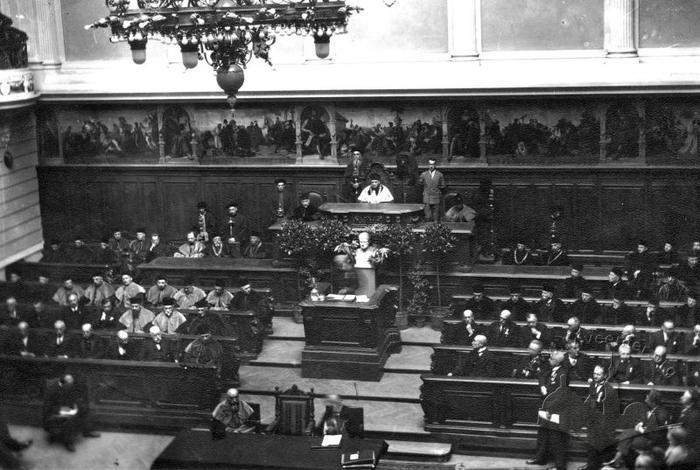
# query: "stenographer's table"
195,449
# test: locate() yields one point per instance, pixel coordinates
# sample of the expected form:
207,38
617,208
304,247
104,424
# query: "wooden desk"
368,214
195,449
350,340
154,394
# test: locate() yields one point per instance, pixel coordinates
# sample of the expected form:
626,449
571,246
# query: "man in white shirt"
376,192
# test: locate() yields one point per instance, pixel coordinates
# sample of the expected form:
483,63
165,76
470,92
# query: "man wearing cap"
246,298
459,212
668,337
138,248
671,289
306,211
587,308
122,349
504,333
433,183
255,248
281,200
189,294
104,255
549,308
90,346
79,253
203,321
516,305
169,319
219,298
127,290
160,291
155,348
192,248
575,283
574,332
352,190
96,292
136,318
117,243
616,286
231,415
625,369
520,256
156,249
358,167
482,306
688,315
236,227
205,222
479,362
689,271
53,253
376,192
640,267
556,256
534,330
619,313
68,288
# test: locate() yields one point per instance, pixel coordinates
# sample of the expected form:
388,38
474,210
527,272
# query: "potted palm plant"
438,243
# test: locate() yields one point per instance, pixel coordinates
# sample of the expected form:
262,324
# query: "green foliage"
330,233
295,239
420,298
438,241
399,239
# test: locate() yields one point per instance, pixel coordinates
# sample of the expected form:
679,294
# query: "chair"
294,412
633,413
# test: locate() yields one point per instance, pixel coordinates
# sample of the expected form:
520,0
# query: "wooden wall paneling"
528,216
149,196
624,214
112,206
672,212
583,221
180,196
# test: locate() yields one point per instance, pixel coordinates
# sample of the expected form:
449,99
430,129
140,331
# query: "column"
48,37
464,28
620,28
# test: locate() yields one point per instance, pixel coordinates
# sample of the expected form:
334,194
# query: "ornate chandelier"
225,33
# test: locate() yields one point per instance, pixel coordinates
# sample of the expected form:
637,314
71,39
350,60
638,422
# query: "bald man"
479,362
66,411
504,333
90,346
155,348
231,415
59,343
661,371
122,349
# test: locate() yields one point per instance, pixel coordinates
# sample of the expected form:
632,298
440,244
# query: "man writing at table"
376,192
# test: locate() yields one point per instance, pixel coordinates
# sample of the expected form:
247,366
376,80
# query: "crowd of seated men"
125,310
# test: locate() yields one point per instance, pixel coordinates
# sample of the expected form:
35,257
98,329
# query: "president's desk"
350,340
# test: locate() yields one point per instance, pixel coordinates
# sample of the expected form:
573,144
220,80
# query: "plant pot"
419,321
401,320
437,315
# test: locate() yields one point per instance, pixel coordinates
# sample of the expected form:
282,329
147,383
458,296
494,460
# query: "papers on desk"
340,297
554,418
361,298
331,440
359,460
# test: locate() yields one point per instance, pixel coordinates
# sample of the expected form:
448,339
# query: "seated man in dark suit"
574,332
66,411
587,308
10,315
624,368
246,298
627,336
203,321
668,338
616,286
39,317
155,349
661,371
536,331
339,419
516,305
575,362
106,318
23,342
549,308
504,333
231,415
479,362
74,314
466,333
574,284
122,349
90,346
533,365
653,315
619,313
59,343
688,315
305,211
482,306
556,256
255,248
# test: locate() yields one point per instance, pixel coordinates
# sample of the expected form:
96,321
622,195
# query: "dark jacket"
150,352
131,352
530,367
551,310
518,310
474,364
504,335
483,308
673,344
581,370
665,373
587,312
66,348
627,371
92,348
545,334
